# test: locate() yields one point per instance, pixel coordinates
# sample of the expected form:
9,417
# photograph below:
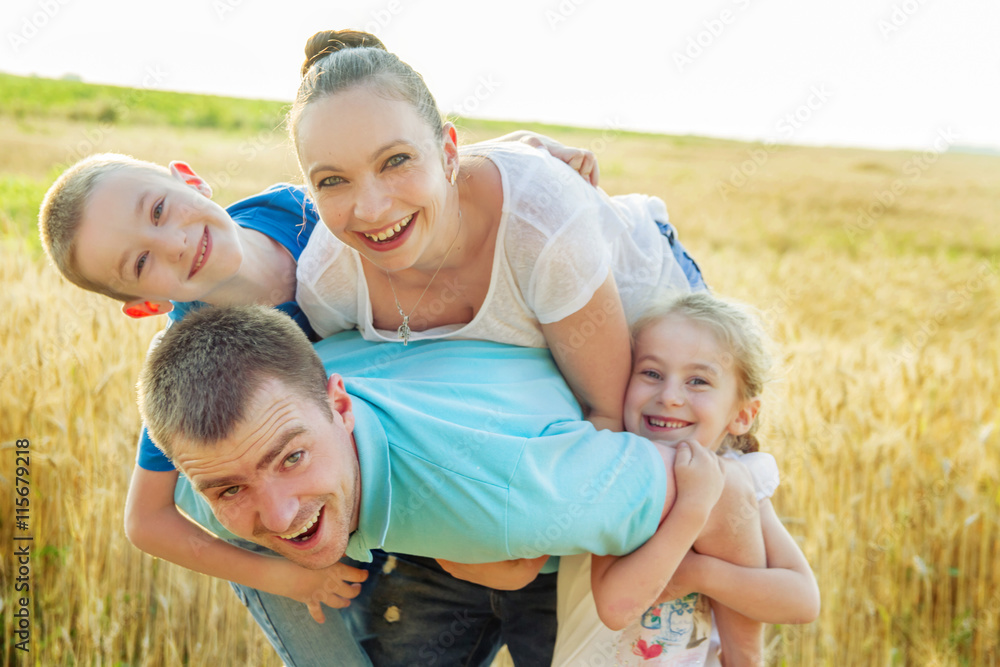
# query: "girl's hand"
699,475
334,586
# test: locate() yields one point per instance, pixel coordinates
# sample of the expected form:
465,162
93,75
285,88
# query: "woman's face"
377,172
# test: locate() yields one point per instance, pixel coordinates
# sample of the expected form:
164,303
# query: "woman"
514,250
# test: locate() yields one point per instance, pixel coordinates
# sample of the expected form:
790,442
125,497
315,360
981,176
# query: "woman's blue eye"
397,160
330,180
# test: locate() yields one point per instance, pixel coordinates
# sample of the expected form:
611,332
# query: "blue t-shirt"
281,212
475,451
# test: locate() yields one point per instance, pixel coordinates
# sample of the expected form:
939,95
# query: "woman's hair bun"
329,41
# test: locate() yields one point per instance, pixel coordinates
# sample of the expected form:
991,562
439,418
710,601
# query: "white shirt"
558,238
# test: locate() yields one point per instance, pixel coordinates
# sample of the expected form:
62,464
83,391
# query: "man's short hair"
197,383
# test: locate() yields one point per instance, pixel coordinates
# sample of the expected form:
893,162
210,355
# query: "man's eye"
292,459
230,492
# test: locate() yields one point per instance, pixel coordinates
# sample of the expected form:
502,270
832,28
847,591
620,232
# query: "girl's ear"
185,174
743,419
139,309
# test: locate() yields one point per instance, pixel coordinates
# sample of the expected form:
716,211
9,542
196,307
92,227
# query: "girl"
699,368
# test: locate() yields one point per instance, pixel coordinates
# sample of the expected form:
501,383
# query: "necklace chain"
403,332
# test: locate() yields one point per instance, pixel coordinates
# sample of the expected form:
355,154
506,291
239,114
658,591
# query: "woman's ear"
185,174
743,419
139,309
450,150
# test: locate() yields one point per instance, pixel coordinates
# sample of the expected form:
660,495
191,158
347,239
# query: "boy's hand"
699,475
334,586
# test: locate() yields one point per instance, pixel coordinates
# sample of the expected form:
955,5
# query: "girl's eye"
329,181
698,381
157,212
397,160
292,459
141,262
651,374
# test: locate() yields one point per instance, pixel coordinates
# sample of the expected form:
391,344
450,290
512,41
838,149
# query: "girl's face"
377,172
684,386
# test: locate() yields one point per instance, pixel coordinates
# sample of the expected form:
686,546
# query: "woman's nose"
372,201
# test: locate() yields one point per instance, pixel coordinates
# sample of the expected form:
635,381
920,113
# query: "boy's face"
151,235
683,386
287,477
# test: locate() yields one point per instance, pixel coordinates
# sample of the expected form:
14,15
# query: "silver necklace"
403,332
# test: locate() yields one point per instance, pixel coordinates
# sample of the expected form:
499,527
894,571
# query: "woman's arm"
154,525
593,352
784,592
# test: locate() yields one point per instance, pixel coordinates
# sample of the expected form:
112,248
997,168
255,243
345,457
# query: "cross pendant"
403,332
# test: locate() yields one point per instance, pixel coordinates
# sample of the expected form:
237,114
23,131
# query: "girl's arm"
154,525
785,592
593,352
625,586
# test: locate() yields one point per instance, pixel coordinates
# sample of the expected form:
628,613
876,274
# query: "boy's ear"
743,419
139,309
184,173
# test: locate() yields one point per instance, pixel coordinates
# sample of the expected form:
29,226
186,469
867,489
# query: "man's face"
287,477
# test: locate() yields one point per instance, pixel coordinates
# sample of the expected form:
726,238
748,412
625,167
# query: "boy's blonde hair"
739,329
62,211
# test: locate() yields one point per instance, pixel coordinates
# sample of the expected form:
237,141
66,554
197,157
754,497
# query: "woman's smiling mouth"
387,234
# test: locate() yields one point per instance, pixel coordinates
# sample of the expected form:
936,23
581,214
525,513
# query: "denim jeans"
684,260
411,612
423,616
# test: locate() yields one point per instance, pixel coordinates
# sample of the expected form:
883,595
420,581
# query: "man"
466,451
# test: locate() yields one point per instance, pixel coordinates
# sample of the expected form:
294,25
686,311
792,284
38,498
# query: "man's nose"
277,509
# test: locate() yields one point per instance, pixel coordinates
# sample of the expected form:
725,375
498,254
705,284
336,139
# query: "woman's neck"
266,275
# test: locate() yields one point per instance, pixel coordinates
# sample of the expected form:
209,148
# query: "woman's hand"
506,575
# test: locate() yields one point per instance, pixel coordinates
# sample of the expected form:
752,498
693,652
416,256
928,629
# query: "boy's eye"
141,262
292,459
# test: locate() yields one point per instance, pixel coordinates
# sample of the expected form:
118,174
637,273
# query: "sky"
874,73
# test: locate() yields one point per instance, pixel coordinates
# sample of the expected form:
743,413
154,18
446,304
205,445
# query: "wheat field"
878,272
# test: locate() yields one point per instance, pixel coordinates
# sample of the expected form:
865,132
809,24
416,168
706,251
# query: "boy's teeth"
392,231
201,257
292,536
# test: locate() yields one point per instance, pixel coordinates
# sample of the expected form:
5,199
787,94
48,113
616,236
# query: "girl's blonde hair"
739,329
